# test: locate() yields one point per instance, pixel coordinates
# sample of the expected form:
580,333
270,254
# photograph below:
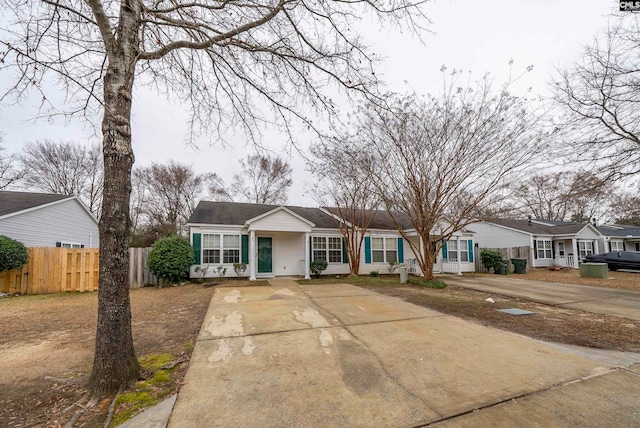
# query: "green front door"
265,251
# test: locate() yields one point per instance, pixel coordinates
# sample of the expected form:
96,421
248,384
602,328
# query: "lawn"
626,280
47,342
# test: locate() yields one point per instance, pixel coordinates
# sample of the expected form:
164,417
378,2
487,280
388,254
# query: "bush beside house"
13,254
170,258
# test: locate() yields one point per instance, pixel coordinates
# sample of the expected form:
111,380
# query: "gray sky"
473,36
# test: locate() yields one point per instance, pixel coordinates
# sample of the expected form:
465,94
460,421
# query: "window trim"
582,253
220,248
541,246
619,246
326,248
463,249
384,249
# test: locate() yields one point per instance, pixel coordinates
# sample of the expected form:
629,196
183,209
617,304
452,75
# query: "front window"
231,249
585,248
560,249
220,249
384,250
544,249
452,250
617,246
327,248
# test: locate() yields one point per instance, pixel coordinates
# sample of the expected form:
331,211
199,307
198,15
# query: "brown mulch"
548,323
47,342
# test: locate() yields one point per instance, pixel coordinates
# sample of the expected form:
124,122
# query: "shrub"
170,258
374,273
430,283
201,271
13,254
491,258
239,268
393,266
317,266
221,271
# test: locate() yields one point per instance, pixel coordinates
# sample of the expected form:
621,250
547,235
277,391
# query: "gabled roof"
15,202
619,230
236,213
541,227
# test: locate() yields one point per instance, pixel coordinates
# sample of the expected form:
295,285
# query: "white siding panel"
280,221
487,235
588,233
66,221
288,253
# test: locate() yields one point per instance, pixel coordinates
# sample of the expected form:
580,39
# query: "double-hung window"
544,249
452,250
585,248
384,250
327,248
230,249
617,246
218,248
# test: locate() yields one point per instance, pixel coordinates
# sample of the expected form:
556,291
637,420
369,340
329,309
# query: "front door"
265,252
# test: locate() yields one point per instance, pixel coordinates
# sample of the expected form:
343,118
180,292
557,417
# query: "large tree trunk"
115,364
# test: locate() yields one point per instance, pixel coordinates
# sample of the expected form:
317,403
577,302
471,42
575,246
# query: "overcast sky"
473,36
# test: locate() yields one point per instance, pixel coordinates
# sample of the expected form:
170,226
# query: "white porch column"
596,249
307,249
252,255
576,254
458,253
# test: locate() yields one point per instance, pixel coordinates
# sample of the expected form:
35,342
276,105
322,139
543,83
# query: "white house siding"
211,268
66,221
333,268
288,253
487,235
280,221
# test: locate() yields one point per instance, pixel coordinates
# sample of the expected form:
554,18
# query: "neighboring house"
550,242
618,237
283,240
47,220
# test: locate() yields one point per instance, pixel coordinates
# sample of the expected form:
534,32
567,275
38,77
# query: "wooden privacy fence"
58,270
139,274
507,254
54,270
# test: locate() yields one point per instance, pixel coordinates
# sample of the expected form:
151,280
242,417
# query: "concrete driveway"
600,300
339,356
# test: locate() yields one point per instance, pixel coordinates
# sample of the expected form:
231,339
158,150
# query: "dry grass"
626,280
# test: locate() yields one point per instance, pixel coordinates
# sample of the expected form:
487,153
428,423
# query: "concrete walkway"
339,356
600,300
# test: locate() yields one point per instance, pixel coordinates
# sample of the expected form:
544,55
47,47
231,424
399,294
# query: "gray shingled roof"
619,230
236,213
382,219
12,202
557,228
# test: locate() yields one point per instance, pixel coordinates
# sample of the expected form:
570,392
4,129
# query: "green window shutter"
245,249
470,250
400,250
197,246
345,256
445,255
310,248
367,249
535,249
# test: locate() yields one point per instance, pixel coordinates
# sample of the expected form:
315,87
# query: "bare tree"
346,191
227,59
66,168
600,101
627,209
565,195
262,180
218,191
442,159
10,174
170,196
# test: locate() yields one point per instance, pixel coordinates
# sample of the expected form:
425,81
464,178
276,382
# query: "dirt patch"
548,323
625,280
47,342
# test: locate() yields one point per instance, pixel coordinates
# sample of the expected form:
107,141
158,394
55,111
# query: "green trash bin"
519,265
501,269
